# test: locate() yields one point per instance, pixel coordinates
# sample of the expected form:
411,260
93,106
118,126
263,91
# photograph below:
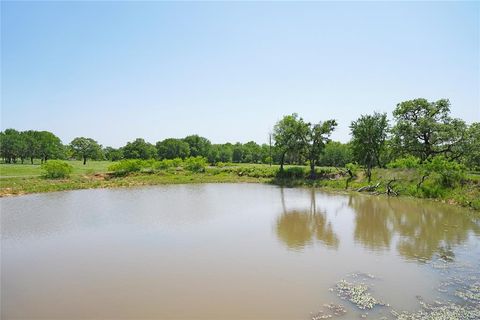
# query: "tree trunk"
84,160
31,160
281,162
312,169
369,173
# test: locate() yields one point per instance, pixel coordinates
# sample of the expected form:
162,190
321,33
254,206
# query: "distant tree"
172,148
237,153
10,145
225,152
50,146
425,129
252,153
288,134
85,148
471,147
33,144
139,149
112,154
336,154
369,133
317,135
199,146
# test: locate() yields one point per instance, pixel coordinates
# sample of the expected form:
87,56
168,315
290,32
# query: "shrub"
409,162
292,173
125,167
56,169
195,164
255,172
449,173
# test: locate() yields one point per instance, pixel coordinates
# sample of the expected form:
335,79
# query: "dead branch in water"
370,188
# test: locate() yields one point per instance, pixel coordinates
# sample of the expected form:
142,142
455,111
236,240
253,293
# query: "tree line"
421,129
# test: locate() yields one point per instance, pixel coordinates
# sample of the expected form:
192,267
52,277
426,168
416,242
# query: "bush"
255,172
449,173
166,164
195,164
292,173
409,162
56,169
125,167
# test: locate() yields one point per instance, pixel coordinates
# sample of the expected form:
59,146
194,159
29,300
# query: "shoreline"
15,187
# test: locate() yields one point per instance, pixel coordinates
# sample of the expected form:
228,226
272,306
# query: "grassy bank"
23,179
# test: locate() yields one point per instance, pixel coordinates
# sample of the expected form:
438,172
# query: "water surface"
218,251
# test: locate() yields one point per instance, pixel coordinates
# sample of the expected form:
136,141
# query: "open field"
34,170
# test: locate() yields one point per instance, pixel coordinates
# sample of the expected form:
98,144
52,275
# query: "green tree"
33,144
225,152
112,154
237,152
252,153
85,148
172,148
10,145
139,149
425,129
288,134
472,147
336,154
316,136
199,146
368,138
50,146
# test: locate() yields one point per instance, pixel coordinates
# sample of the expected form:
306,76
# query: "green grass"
34,170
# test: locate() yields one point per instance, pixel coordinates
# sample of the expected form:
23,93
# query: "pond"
235,251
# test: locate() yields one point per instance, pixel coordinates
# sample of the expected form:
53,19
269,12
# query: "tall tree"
172,148
50,146
85,148
139,149
368,138
199,146
317,135
33,144
425,129
288,135
112,154
10,145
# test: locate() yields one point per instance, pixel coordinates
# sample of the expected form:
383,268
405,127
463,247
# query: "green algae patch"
356,293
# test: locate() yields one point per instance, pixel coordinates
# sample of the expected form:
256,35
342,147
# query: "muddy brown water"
225,251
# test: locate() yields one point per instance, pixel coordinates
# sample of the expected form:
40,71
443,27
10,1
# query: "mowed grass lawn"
34,170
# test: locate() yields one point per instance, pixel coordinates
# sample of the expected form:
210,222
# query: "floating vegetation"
470,294
445,312
329,311
356,293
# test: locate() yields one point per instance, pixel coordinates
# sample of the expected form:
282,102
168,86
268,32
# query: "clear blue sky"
115,71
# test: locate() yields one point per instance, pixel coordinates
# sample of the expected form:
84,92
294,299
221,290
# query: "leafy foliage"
56,169
425,129
126,167
172,148
139,149
408,162
195,164
369,133
86,148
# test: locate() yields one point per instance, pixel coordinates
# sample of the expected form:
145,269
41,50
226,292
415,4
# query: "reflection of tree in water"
372,227
423,228
298,228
